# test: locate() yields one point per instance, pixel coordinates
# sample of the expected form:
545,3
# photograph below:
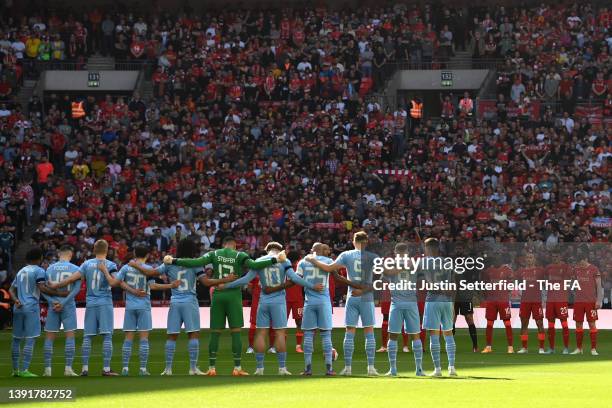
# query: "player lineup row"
61,282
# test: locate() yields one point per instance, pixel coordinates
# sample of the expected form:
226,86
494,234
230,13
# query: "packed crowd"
261,127
555,55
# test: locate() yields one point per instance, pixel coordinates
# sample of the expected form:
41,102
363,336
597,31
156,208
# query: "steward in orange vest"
78,110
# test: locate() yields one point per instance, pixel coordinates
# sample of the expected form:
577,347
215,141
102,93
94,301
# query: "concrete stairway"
461,60
25,93
146,91
24,245
98,62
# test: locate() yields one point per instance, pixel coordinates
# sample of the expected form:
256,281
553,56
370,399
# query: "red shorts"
582,309
421,306
385,307
296,309
253,318
493,308
533,309
556,310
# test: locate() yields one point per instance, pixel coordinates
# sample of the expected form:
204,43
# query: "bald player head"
320,248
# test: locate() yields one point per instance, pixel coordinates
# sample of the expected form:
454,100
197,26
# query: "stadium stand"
263,124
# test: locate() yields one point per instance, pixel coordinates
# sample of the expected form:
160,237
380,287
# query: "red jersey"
531,275
255,290
599,86
235,92
558,273
137,48
332,290
295,84
294,293
494,275
285,29
298,36
586,275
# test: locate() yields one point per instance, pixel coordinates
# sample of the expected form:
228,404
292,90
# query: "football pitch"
495,379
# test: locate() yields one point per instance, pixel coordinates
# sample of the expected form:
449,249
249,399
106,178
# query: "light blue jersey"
270,276
399,296
98,288
26,281
313,275
434,272
138,281
186,292
404,312
60,271
358,266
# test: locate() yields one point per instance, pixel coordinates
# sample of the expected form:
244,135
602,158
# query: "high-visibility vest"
416,110
77,110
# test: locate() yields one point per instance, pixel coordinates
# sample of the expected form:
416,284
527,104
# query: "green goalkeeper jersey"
225,262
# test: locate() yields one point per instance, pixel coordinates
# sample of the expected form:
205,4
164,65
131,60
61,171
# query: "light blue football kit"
99,315
317,305
137,314
66,317
99,311
57,272
439,312
272,309
359,272
317,311
439,307
184,308
404,311
137,309
26,317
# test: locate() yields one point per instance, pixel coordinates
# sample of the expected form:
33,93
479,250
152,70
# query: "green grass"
496,379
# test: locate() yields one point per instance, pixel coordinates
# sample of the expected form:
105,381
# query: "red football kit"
531,299
586,296
556,301
497,301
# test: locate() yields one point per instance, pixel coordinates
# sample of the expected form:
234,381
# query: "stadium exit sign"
93,79
447,78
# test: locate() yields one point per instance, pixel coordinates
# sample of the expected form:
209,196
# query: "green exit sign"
93,79
446,78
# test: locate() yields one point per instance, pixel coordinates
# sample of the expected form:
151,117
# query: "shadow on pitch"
414,378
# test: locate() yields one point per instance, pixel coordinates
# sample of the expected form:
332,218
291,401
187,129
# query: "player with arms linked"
272,306
403,314
138,308
184,307
317,307
62,311
99,310
226,263
439,308
25,292
360,301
